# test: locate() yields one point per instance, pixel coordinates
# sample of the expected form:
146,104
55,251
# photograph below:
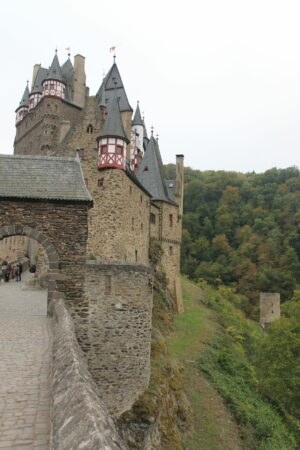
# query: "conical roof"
113,126
137,119
67,69
150,172
54,72
111,82
25,99
37,87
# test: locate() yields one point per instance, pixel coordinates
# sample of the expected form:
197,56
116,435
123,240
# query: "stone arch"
53,258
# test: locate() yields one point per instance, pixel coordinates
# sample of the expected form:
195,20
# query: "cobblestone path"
25,351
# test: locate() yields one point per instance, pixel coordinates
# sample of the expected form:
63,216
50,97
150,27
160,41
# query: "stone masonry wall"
39,132
80,419
269,307
61,228
119,219
119,298
170,236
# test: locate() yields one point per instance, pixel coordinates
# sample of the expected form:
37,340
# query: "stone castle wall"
119,219
61,228
116,331
80,419
39,132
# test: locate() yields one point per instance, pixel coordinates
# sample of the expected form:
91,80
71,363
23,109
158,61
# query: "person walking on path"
18,272
7,272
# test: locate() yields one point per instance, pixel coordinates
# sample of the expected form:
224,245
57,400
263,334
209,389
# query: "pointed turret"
37,89
150,172
23,106
53,84
137,138
137,119
112,140
106,91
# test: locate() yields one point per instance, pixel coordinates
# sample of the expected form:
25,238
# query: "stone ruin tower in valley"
132,202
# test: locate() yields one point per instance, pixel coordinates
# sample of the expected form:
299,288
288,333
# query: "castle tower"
53,84
37,89
137,140
112,140
22,109
269,308
111,82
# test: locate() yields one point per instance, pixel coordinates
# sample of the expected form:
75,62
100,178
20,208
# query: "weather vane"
113,49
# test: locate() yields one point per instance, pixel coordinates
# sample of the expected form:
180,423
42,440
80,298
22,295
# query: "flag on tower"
112,49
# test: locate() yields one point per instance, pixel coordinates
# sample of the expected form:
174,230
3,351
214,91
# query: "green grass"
213,426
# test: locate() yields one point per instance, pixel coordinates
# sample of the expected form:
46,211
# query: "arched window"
90,128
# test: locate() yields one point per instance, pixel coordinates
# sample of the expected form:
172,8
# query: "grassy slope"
214,427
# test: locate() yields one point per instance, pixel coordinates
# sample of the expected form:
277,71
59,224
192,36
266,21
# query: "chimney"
79,79
36,68
178,194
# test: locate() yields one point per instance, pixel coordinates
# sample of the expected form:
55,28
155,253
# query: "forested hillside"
243,230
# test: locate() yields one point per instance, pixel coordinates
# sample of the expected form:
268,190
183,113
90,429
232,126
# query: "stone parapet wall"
115,330
80,419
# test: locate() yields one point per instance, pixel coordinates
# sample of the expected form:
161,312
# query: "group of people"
10,271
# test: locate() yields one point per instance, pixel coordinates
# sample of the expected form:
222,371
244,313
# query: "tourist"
18,272
7,272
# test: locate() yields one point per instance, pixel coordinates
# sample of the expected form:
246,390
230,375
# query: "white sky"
218,79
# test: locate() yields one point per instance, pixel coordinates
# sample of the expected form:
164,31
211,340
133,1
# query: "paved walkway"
25,352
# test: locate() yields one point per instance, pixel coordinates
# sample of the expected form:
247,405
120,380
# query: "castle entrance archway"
26,249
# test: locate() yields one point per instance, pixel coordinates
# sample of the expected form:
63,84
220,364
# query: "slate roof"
106,90
151,174
37,87
25,99
137,119
43,178
171,185
67,71
54,72
113,126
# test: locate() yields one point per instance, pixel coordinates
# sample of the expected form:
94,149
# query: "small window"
86,180
81,153
136,255
142,227
152,218
90,128
100,182
103,149
119,150
141,199
171,220
170,250
107,284
146,169
132,223
130,190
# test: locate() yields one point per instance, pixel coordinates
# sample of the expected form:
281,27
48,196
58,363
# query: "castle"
111,303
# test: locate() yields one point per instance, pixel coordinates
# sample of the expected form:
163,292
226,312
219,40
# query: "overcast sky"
218,79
